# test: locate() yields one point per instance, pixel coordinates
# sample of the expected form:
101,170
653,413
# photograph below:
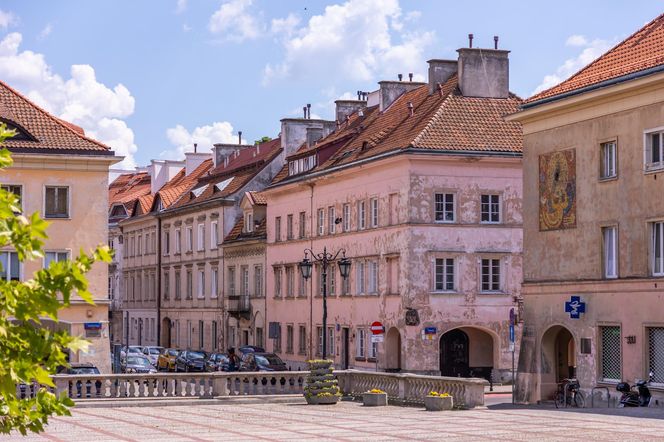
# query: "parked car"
188,360
133,349
217,362
166,359
250,349
137,364
262,362
152,353
82,369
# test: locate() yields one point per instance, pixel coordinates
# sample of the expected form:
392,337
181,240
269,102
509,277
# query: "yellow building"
63,175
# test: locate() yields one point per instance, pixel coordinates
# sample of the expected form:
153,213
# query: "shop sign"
575,307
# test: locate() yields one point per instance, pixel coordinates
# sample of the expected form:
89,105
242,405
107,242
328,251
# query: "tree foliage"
264,139
29,352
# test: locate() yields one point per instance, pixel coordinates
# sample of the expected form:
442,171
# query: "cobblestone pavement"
346,421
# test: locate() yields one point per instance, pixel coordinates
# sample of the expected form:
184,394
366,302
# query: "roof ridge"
57,120
434,118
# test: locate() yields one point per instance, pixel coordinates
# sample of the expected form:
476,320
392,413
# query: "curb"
172,402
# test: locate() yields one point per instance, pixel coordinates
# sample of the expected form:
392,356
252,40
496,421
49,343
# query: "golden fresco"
557,190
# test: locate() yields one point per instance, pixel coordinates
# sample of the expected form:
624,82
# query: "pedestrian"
233,360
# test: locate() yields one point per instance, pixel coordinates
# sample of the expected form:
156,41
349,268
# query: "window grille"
656,353
611,361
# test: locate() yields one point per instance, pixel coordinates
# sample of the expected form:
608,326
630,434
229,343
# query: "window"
189,330
201,237
289,338
302,340
331,220
214,281
231,336
654,150
277,339
277,282
190,238
608,156
302,288
319,340
139,242
258,281
259,336
330,341
201,343
249,222
50,257
167,293
147,243
289,226
178,241
444,275
490,208
657,248
167,237
10,267
277,228
190,285
302,224
373,277
290,281
214,235
610,353
445,208
201,283
361,342
359,278
56,202
321,222
215,336
346,218
331,280
656,353
345,286
231,281
609,249
490,275
17,190
245,280
178,285
374,212
361,215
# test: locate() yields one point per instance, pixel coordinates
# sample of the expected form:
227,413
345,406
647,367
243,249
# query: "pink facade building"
420,185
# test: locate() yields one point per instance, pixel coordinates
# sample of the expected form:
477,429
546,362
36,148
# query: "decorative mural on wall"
557,190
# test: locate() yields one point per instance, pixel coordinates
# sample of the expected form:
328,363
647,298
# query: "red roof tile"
237,232
127,188
44,132
642,50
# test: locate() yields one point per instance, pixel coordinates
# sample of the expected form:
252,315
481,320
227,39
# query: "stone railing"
412,388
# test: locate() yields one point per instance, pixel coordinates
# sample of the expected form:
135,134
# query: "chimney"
391,90
221,152
194,159
439,72
345,108
400,76
483,72
294,132
239,137
162,171
309,111
314,134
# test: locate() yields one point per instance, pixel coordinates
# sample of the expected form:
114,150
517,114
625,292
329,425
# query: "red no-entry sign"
377,328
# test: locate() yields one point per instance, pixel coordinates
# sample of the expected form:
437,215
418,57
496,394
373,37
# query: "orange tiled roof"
258,197
180,185
44,132
642,50
237,233
127,187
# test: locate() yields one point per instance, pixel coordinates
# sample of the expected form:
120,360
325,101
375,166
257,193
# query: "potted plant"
435,401
321,385
374,398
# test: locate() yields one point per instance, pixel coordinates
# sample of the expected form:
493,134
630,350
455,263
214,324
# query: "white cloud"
285,26
205,136
234,22
186,28
358,39
81,99
6,19
45,32
181,6
591,51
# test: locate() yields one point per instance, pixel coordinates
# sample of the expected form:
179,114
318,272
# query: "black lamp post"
325,259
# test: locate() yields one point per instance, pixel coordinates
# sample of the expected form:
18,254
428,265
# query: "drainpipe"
158,241
311,294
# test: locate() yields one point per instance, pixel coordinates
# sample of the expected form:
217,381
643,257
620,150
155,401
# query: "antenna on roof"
195,146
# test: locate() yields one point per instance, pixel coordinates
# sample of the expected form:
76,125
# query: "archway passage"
166,332
393,351
467,352
558,360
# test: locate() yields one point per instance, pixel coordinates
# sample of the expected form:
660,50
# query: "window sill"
360,359
448,292
371,359
651,168
498,292
490,222
608,179
444,222
58,217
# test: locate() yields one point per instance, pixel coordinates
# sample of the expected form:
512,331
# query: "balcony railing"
239,304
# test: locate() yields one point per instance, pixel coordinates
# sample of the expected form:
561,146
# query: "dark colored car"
82,369
188,360
262,362
217,362
137,364
250,349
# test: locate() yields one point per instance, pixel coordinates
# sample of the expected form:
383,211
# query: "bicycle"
575,397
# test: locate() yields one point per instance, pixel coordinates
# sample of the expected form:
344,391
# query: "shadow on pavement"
647,413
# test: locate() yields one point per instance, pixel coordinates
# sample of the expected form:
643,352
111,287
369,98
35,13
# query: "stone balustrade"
404,387
412,388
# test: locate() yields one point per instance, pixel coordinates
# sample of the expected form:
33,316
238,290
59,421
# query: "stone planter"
374,399
321,380
322,400
437,403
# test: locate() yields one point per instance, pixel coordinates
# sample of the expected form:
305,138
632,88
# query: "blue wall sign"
511,333
575,307
92,325
430,330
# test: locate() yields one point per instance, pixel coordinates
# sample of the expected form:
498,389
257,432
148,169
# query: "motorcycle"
637,395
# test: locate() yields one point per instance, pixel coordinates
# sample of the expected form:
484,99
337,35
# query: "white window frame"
189,281
178,241
373,210
346,217
289,226
201,237
231,281
302,225
361,215
360,278
8,270
167,243
491,275
650,165
248,222
321,222
608,160
277,229
372,277
214,234
201,284
258,281
46,186
444,212
331,217
657,232
278,282
490,213
189,238
214,282
58,252
445,274
361,350
7,187
610,251
245,280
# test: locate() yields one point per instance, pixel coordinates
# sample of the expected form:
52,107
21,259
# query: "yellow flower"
375,390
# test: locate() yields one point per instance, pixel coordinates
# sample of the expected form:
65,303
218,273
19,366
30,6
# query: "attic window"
160,206
301,165
249,222
221,186
365,145
21,134
197,192
118,211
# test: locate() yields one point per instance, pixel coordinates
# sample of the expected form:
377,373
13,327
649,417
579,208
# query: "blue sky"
151,77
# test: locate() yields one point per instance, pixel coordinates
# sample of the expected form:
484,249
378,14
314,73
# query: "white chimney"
162,171
194,159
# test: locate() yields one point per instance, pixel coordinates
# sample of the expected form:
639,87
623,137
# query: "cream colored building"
63,175
594,223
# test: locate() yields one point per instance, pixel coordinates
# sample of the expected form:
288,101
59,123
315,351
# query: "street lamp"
325,259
